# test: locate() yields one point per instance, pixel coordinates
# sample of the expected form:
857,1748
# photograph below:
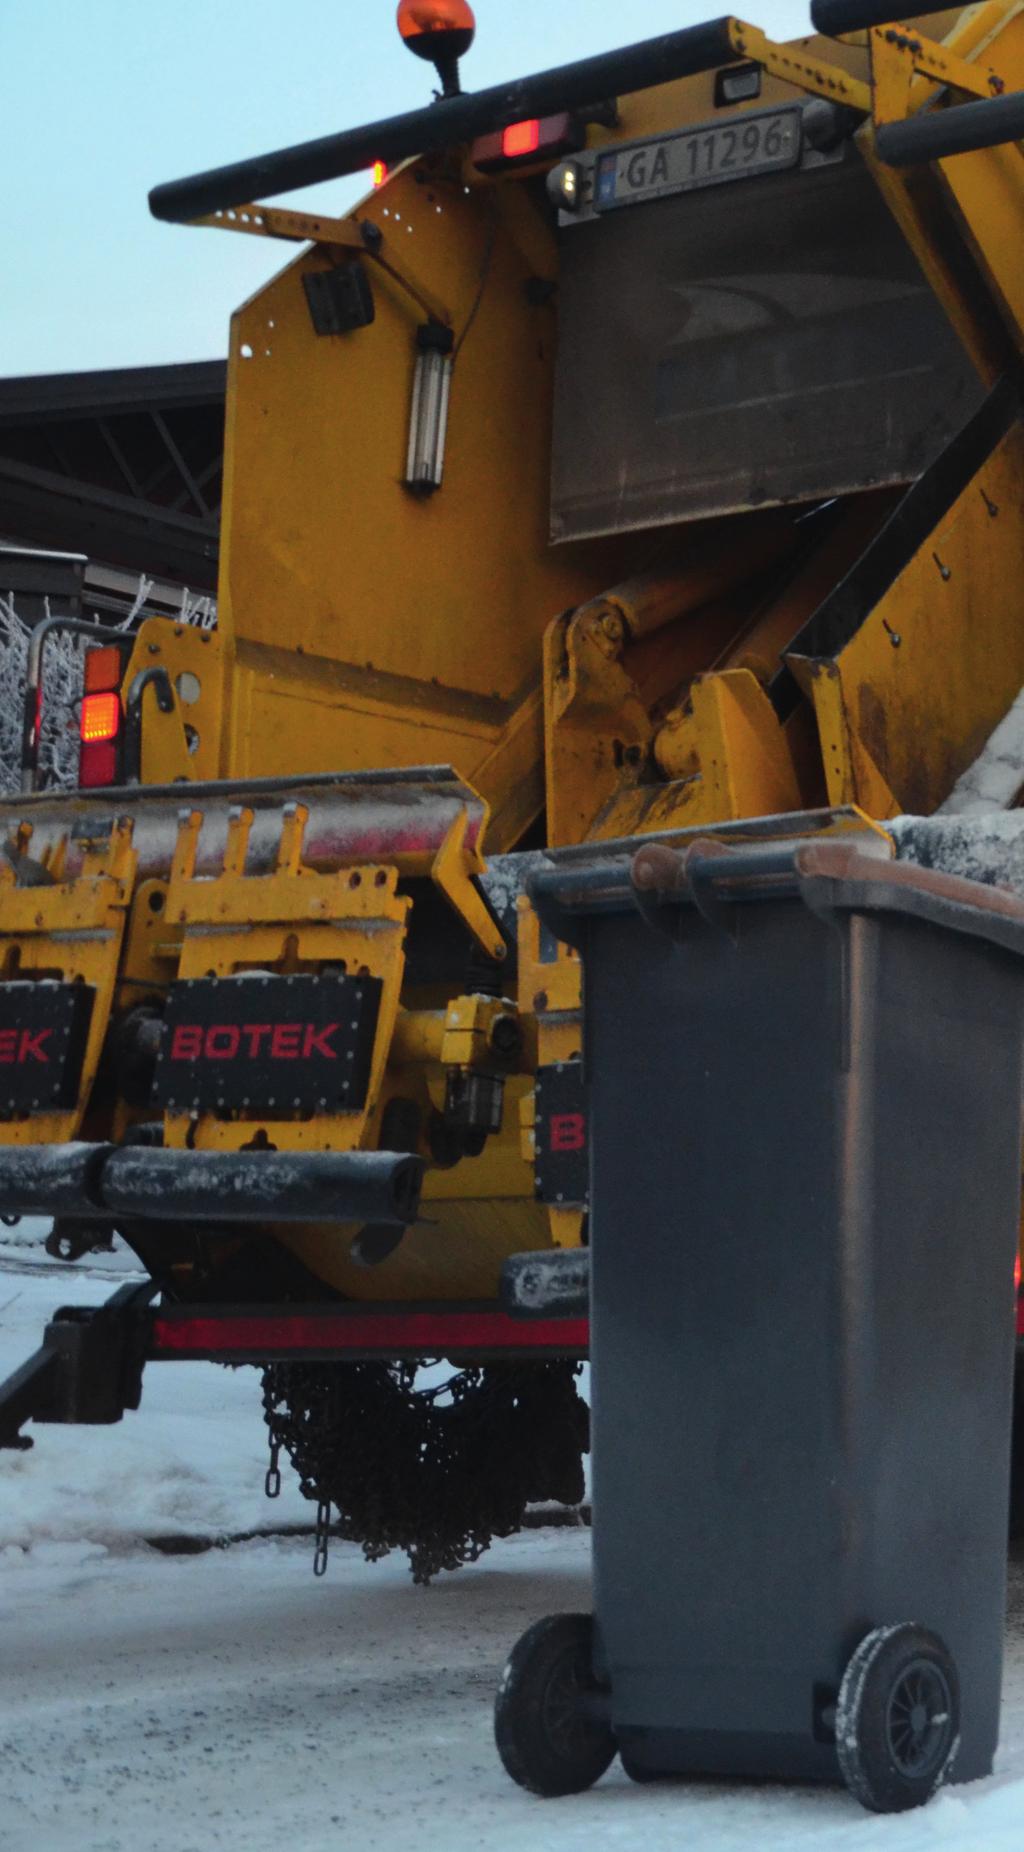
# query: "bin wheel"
898,1718
547,1737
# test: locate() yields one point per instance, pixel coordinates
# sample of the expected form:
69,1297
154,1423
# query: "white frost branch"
62,689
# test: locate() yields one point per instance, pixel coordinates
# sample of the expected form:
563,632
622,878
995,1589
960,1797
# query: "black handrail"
834,17
962,129
158,679
448,121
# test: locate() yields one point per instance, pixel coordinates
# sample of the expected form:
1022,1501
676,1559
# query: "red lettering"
255,1031
284,1042
316,1041
186,1042
568,1131
30,1047
8,1044
222,1041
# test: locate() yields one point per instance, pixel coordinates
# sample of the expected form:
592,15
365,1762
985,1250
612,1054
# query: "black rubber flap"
43,1032
268,1043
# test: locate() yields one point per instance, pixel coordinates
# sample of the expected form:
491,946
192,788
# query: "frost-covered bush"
62,689
62,682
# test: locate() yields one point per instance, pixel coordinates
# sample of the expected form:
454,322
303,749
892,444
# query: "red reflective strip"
97,765
425,1333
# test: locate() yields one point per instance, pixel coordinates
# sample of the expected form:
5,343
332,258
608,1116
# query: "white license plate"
700,157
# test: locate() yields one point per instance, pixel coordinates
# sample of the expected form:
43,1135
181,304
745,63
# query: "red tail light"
99,753
537,138
521,138
380,172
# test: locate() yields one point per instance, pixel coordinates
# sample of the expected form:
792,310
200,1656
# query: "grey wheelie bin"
803,1066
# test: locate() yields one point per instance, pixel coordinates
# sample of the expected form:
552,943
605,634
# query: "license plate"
43,1033
707,156
268,1044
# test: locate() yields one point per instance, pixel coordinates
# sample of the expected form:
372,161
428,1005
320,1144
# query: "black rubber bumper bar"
449,121
552,1283
834,17
135,1183
961,130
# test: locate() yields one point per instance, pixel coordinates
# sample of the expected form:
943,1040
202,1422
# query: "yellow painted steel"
188,743
373,627
70,932
944,642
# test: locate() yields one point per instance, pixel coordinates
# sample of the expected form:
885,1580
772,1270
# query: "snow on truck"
643,456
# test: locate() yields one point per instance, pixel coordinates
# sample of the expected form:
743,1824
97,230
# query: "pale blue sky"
103,98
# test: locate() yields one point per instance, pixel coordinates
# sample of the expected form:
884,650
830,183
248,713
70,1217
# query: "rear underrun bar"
88,1369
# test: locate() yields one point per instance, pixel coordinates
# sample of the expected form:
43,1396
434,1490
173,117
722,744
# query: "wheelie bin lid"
829,877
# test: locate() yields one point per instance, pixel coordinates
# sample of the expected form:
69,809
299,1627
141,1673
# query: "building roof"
122,465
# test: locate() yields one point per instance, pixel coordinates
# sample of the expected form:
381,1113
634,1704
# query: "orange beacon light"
441,31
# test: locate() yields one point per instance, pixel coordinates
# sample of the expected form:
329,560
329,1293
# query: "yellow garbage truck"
642,456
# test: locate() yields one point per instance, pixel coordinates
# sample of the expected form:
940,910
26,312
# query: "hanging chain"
323,1537
272,1482
435,1472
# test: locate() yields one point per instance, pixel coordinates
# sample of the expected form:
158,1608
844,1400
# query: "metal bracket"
358,237
898,56
87,1370
794,67
451,872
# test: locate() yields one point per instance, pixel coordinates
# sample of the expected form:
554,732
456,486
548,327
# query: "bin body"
805,1144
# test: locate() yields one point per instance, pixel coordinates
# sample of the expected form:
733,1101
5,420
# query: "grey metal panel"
768,342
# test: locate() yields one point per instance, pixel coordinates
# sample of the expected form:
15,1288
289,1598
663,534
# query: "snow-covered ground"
179,1704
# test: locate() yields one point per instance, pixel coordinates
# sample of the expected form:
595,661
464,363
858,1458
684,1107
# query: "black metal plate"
43,1032
268,1044
772,342
562,1136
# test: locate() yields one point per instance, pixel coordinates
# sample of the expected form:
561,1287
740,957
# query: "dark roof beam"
180,464
203,477
119,457
131,389
58,452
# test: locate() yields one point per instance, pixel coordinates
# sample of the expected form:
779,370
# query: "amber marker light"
441,31
101,718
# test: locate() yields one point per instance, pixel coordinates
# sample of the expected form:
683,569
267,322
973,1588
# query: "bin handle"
713,879
657,871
